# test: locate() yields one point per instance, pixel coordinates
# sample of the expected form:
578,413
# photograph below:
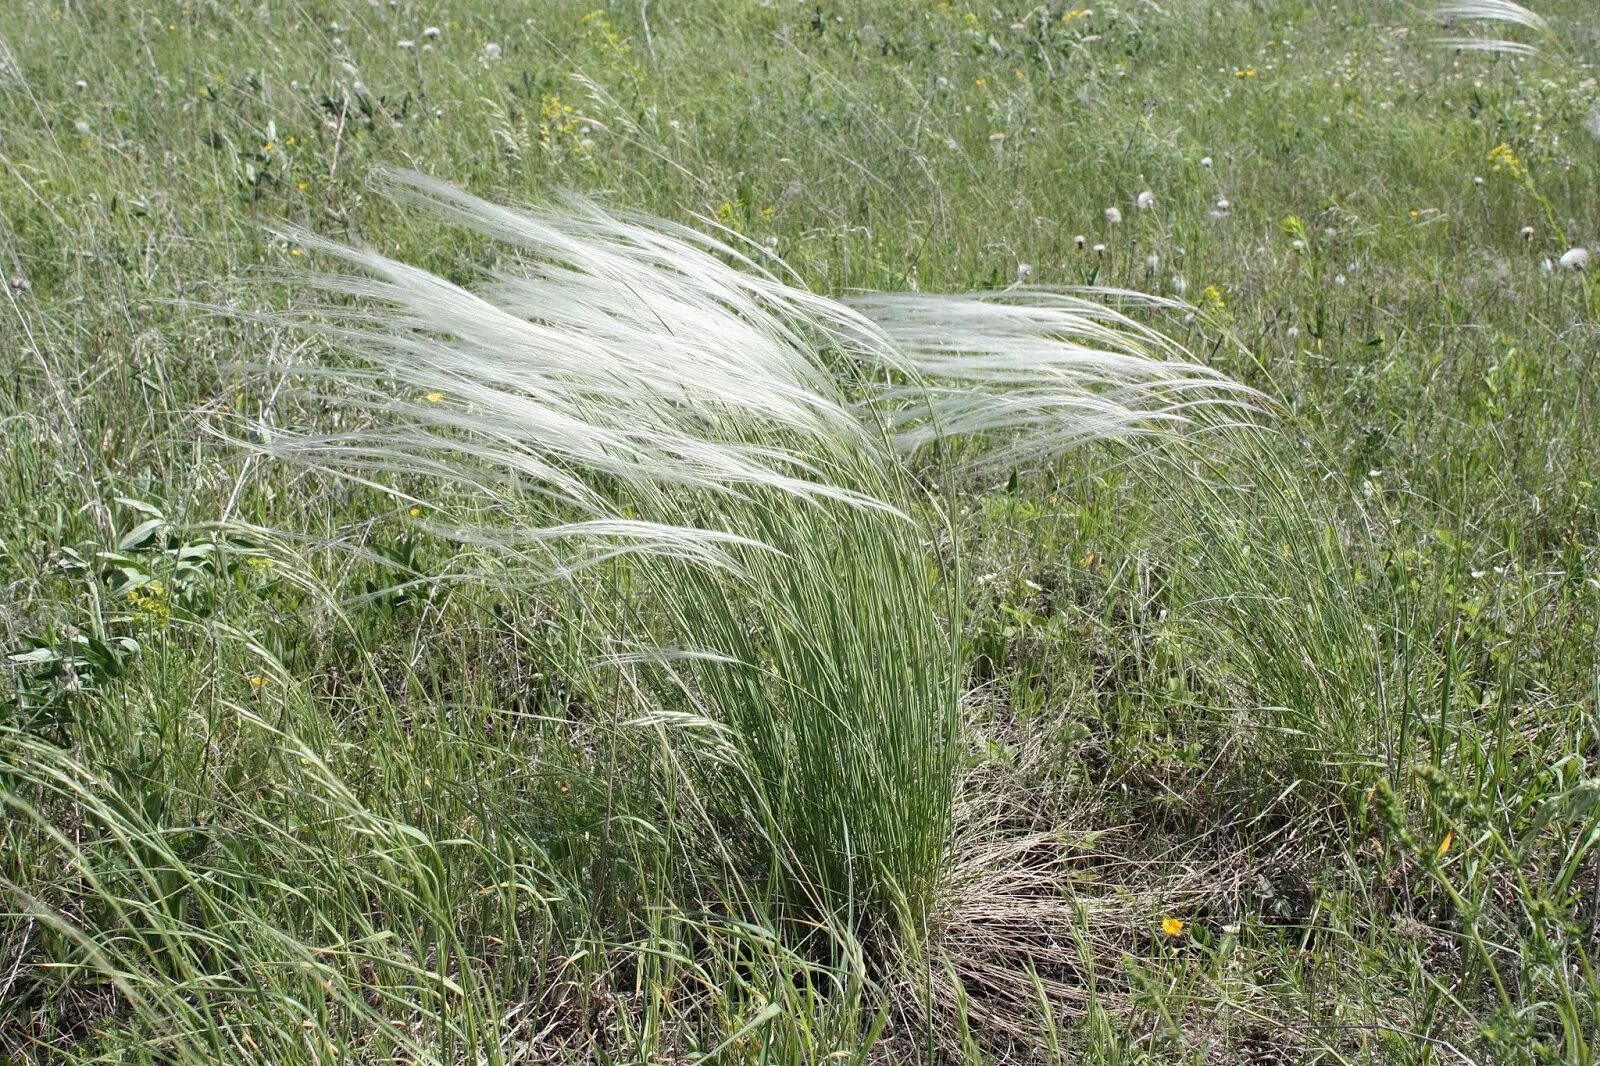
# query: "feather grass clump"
710,466
1491,13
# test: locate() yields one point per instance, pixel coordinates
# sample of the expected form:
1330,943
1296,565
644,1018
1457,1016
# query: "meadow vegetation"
630,656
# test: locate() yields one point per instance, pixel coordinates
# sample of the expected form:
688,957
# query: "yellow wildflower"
1502,157
1172,927
435,397
259,681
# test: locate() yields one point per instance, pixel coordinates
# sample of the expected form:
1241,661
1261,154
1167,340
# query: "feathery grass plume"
1494,12
677,443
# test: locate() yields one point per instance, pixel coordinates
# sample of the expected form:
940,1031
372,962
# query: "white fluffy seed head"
1113,215
1575,259
651,359
1145,200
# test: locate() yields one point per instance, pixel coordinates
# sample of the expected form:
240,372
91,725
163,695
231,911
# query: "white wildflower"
1113,216
1574,259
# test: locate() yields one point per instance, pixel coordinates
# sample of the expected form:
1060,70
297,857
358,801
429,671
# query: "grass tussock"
678,632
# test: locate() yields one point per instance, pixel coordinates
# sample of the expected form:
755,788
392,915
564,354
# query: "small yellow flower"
415,512
435,397
269,146
1172,927
303,186
297,253
259,681
288,142
1244,72
1502,157
1444,845
1075,14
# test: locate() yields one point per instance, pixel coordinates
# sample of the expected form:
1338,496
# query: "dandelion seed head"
1205,161
491,51
1099,249
431,33
1145,201
1574,259
1081,241
1113,215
